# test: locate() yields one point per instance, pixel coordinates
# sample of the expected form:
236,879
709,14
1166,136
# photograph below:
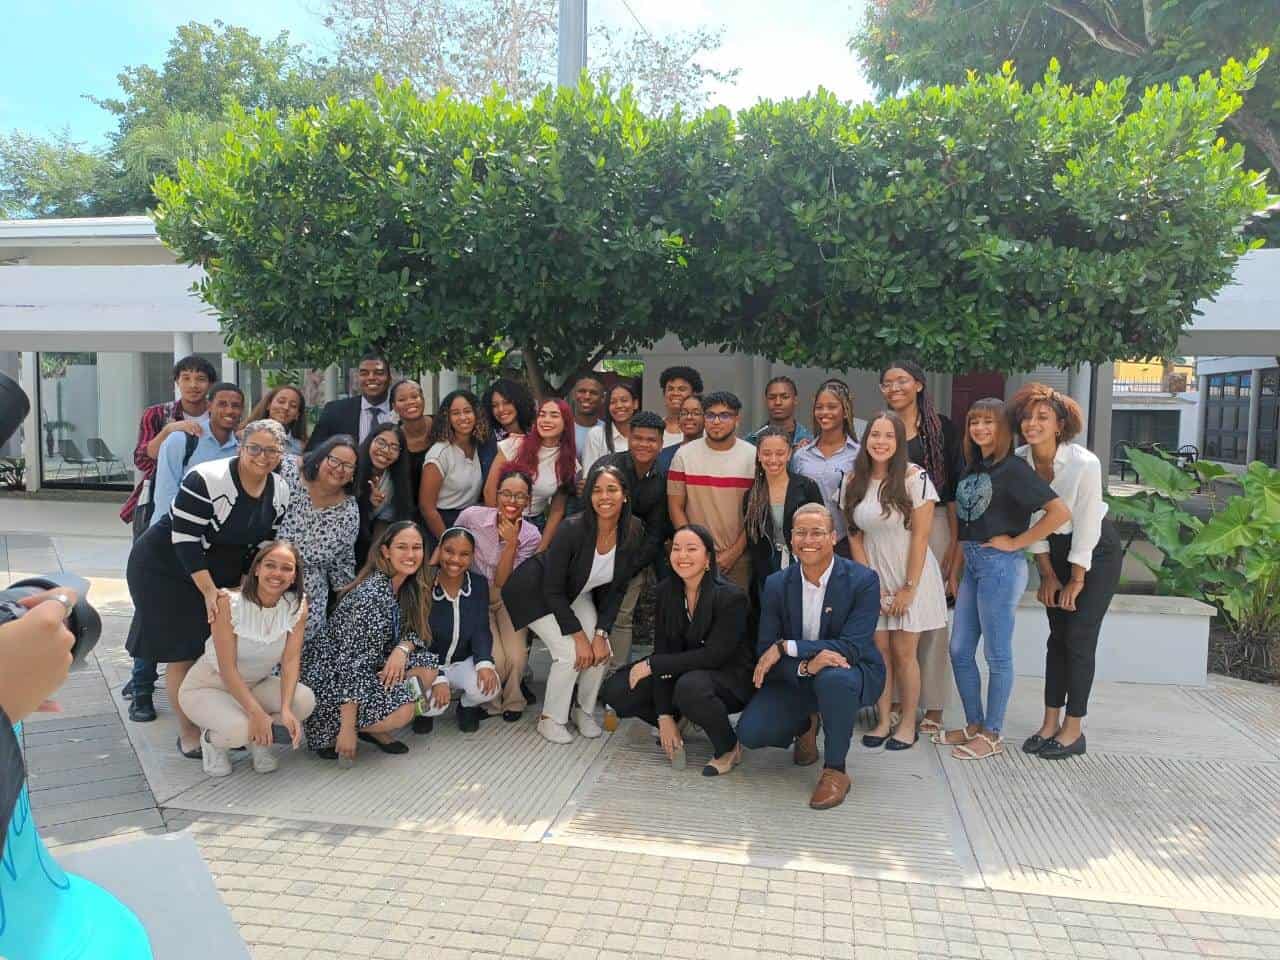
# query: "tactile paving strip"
898,823
1148,830
1252,709
503,781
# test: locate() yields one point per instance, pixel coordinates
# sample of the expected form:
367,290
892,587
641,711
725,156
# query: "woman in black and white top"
224,510
569,597
1079,564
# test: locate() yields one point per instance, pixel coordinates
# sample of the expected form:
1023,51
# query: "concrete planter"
1144,639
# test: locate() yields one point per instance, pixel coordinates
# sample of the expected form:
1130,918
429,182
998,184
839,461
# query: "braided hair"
757,509
928,423
840,390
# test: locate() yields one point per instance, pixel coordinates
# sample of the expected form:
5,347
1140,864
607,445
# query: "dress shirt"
828,473
368,420
800,434
170,469
812,596
1077,480
483,523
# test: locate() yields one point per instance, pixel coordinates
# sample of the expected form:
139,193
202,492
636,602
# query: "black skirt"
170,624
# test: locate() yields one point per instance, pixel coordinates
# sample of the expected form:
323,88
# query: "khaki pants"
621,636
510,654
208,703
933,653
740,572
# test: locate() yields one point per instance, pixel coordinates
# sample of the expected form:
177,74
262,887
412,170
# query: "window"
1268,450
1226,422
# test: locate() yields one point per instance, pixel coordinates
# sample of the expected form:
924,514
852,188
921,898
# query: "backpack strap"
193,440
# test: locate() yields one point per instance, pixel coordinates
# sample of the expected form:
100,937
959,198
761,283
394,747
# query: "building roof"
79,231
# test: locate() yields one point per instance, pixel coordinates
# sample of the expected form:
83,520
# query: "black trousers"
704,697
1073,634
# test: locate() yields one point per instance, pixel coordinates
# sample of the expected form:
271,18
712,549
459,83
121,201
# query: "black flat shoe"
1034,743
423,725
527,692
195,754
1053,750
872,742
142,709
394,747
468,718
893,743
327,753
126,692
512,716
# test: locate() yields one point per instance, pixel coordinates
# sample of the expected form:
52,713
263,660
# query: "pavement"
1163,841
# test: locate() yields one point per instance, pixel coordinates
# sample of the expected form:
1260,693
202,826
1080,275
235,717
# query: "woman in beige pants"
230,692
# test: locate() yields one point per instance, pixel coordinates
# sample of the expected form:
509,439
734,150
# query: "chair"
102,454
1118,459
71,454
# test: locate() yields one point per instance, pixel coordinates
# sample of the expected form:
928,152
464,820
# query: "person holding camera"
224,510
35,652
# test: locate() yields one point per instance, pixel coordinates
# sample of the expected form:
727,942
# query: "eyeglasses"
340,465
690,414
810,533
510,497
718,417
388,446
256,450
902,383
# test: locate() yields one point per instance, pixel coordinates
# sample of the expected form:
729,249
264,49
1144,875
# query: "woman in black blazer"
702,660
777,493
569,595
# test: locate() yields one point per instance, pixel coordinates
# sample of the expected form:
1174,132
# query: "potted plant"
1230,561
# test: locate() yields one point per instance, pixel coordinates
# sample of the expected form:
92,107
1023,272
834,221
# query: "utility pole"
572,42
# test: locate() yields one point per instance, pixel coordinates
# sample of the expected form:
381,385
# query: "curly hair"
442,426
516,394
1070,416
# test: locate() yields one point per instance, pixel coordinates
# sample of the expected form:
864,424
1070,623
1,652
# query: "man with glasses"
707,481
356,416
780,396
692,425
818,664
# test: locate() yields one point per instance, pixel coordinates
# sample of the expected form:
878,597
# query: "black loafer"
327,753
527,692
394,747
142,709
872,742
512,716
468,719
195,754
423,725
1053,750
126,692
1034,743
893,743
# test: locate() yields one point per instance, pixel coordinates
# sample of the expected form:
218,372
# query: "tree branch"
533,370
1148,15
1259,133
1099,30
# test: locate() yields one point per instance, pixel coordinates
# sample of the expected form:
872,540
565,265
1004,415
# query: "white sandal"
963,752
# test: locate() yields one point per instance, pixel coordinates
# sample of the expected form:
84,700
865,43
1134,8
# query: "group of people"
344,584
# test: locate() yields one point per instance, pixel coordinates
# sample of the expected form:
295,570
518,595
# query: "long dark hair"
607,426
708,541
757,510
442,428
893,490
515,393
249,585
414,596
629,529
261,411
402,498
928,425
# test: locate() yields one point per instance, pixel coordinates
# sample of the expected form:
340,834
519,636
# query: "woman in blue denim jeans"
995,499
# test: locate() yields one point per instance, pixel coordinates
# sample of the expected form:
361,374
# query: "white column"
183,345
120,402
755,411
1100,415
331,382
446,382
230,369
1255,402
428,384
30,382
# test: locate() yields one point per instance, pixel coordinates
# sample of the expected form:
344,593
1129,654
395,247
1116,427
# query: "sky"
52,52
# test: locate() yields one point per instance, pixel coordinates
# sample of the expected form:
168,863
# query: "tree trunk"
1099,30
1254,129
533,370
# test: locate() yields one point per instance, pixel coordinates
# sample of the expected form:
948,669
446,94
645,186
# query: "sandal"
943,737
963,752
929,727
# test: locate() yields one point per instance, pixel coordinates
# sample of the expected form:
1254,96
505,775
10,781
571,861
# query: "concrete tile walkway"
496,845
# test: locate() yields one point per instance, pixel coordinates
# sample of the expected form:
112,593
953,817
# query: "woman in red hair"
547,454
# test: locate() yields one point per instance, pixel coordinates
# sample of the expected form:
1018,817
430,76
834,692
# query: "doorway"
966,388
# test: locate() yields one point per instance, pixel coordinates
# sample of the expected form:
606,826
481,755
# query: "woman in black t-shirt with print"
995,498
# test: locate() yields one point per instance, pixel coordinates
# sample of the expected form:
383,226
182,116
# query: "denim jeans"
144,677
985,604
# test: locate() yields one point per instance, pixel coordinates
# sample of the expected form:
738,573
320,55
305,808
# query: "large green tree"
907,42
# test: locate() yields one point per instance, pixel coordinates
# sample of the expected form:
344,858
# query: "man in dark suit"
818,664
356,416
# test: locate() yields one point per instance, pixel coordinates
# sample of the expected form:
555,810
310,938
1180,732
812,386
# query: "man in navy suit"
356,416
818,661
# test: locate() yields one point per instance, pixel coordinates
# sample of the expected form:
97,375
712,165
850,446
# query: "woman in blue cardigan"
460,637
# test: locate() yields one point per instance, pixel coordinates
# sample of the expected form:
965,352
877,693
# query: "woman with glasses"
452,477
224,511
381,484
934,445
323,523
286,406
829,458
504,539
613,434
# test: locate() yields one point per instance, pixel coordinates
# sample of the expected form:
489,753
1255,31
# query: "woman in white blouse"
451,474
230,692
613,434
1079,564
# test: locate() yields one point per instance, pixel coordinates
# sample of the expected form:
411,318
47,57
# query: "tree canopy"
989,225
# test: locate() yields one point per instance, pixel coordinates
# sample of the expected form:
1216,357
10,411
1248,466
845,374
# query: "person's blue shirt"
800,435
169,467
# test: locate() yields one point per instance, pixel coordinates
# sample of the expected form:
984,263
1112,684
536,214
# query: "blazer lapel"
834,583
795,602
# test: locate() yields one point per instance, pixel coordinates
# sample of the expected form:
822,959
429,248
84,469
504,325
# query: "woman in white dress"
889,505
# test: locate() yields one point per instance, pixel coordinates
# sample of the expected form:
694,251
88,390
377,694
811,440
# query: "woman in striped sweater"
224,510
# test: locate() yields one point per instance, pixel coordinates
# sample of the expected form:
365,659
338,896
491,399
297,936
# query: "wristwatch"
782,647
804,668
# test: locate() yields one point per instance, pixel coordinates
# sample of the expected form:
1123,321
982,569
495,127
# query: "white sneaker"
264,761
215,760
586,723
555,732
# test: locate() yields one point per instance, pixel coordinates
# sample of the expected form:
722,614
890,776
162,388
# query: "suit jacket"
850,610
714,639
338,416
549,582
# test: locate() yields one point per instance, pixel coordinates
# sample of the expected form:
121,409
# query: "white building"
94,311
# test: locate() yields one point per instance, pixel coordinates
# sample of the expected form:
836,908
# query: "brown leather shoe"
806,749
833,787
